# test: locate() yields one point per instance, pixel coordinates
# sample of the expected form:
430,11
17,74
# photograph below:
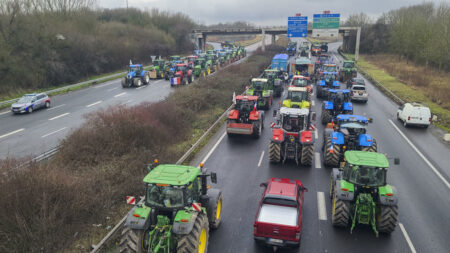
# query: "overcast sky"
263,12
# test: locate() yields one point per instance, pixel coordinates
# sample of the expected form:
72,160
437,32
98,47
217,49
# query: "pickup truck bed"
275,214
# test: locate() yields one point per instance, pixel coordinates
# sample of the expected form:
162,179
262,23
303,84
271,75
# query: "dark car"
355,80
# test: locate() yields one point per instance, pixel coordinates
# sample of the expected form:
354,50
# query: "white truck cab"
416,114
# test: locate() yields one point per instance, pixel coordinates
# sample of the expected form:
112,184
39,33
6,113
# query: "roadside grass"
53,206
245,43
419,85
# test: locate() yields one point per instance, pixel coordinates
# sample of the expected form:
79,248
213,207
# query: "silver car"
30,102
359,93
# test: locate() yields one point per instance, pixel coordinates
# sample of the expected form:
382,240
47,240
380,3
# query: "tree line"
48,43
419,33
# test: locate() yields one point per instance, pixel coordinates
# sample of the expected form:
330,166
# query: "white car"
359,93
416,114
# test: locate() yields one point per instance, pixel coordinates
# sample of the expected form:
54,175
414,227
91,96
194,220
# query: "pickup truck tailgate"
276,221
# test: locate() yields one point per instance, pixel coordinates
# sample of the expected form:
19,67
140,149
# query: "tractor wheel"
161,75
186,81
214,208
331,187
326,116
137,82
197,239
209,71
146,79
340,212
204,74
257,129
387,219
132,240
307,155
372,148
274,152
331,159
124,83
192,78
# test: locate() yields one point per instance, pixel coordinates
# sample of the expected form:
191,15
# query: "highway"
421,179
32,134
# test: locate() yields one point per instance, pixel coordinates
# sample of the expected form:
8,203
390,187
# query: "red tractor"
183,75
292,137
244,118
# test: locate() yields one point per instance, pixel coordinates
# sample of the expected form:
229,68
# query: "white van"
416,114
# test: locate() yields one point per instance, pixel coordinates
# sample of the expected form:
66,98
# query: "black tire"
131,241
47,104
257,129
124,83
331,159
340,212
372,148
387,219
307,155
331,187
190,243
274,152
214,208
146,79
326,116
137,82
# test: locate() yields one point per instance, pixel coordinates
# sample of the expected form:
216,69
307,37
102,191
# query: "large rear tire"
215,208
124,83
197,239
387,219
146,79
331,159
274,152
326,117
137,82
372,148
132,241
307,155
340,212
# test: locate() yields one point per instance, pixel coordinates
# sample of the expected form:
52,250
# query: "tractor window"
293,124
348,65
135,68
298,96
300,82
164,196
330,77
329,68
192,192
366,175
182,68
258,85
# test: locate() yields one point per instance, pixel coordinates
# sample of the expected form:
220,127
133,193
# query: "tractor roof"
172,174
181,65
281,56
300,77
294,88
352,118
302,60
348,61
249,98
259,79
135,65
363,158
336,91
294,111
329,73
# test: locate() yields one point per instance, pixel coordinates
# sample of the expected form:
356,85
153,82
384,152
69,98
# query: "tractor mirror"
305,189
149,167
313,116
370,120
274,113
263,185
396,161
213,177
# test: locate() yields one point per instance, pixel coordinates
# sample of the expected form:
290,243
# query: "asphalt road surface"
421,180
32,134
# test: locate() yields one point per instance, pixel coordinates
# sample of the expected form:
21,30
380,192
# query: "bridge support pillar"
263,46
358,37
273,39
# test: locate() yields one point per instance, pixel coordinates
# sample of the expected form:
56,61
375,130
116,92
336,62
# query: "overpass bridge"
199,35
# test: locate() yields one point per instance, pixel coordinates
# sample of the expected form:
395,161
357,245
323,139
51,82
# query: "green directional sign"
326,21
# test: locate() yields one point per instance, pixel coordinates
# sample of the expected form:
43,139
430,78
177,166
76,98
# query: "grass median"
67,203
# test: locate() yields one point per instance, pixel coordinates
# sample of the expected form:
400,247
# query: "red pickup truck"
278,221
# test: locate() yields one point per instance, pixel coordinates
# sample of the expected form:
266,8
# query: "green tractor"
157,70
261,88
178,210
214,63
200,68
360,194
348,71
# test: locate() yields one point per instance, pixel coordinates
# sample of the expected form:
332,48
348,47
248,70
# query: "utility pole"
127,5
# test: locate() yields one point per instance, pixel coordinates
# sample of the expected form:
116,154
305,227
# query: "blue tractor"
348,133
328,80
136,76
338,102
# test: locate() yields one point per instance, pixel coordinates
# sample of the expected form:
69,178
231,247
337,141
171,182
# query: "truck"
281,62
278,220
177,213
303,66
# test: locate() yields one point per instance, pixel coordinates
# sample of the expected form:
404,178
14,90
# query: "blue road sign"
297,27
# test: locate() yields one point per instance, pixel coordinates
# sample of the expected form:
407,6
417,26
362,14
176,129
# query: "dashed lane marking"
214,147
120,94
11,133
52,108
317,161
260,159
408,240
321,206
96,103
59,116
54,132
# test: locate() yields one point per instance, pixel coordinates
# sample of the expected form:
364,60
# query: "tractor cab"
329,79
160,63
264,90
297,97
175,58
367,173
200,62
348,71
301,81
341,100
135,68
192,58
293,119
245,104
329,67
352,129
303,66
181,69
348,64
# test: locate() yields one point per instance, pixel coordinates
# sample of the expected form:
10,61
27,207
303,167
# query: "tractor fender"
328,105
306,137
184,228
385,199
286,103
337,138
336,84
344,195
277,135
233,114
138,222
348,106
254,115
365,140
143,72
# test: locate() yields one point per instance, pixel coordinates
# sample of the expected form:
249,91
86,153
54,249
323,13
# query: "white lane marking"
13,132
316,134
103,85
96,103
140,87
214,147
408,240
59,116
317,162
54,132
51,108
120,94
260,159
113,89
312,103
321,206
1,113
421,155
